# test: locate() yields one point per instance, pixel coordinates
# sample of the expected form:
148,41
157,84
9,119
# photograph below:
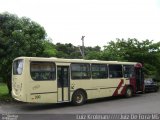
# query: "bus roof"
54,59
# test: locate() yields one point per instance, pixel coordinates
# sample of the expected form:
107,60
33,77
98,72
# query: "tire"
129,92
78,98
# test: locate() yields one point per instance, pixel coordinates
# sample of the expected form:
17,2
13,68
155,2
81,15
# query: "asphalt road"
140,104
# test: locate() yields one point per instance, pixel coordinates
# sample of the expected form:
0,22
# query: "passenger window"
42,70
80,71
128,71
99,71
115,71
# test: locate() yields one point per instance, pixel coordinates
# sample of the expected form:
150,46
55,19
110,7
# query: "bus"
57,80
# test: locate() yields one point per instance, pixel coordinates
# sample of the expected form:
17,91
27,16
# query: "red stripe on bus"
123,90
116,91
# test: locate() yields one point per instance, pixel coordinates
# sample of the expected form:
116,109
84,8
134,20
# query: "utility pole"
83,46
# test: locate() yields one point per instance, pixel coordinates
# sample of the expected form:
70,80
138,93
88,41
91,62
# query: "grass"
4,96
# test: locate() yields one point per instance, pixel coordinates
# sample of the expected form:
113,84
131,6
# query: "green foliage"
49,49
132,50
93,52
145,52
71,51
93,55
67,51
4,96
3,89
20,34
18,37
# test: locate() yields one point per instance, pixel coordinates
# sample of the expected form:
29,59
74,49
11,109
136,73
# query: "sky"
100,21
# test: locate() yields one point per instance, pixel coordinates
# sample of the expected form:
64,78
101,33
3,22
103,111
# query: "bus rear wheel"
129,92
78,98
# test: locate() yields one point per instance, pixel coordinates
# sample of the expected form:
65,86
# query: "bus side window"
128,71
42,70
99,71
80,71
115,71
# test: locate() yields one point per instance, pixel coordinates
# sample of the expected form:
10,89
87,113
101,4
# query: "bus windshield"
18,67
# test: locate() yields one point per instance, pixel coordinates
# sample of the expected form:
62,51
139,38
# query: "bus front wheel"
78,98
129,92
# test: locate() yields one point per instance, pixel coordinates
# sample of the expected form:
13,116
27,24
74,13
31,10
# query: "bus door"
63,83
139,79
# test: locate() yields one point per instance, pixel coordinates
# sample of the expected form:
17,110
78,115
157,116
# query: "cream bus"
56,80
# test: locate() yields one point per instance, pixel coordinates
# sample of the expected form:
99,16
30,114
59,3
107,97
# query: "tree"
93,52
49,49
18,37
93,55
67,51
145,52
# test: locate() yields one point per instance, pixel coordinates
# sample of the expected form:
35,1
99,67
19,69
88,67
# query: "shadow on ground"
38,106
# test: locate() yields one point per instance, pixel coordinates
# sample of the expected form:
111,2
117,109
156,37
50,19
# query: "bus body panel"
42,91
19,83
94,89
18,90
